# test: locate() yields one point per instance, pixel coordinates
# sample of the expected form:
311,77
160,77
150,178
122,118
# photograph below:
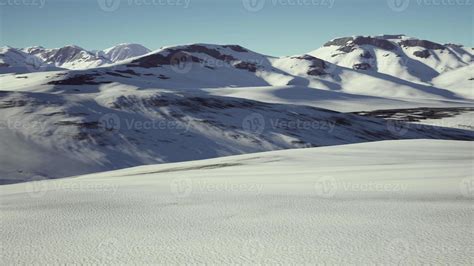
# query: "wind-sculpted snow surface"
392,202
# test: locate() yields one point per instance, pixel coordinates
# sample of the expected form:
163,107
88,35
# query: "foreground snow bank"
384,202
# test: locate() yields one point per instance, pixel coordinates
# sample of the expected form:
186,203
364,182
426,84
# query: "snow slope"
391,202
122,127
459,81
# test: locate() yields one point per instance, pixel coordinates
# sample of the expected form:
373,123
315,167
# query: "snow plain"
391,202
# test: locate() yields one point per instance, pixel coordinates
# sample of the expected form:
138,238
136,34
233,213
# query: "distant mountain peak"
125,51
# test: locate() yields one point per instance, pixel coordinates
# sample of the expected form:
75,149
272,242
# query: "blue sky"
276,27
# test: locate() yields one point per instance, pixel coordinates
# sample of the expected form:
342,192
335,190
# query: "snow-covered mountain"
396,55
37,58
14,60
216,66
69,57
392,66
124,51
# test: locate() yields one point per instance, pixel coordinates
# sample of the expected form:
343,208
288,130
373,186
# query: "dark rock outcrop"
362,66
391,36
317,67
158,59
247,66
339,41
422,54
380,43
348,43
86,79
422,43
